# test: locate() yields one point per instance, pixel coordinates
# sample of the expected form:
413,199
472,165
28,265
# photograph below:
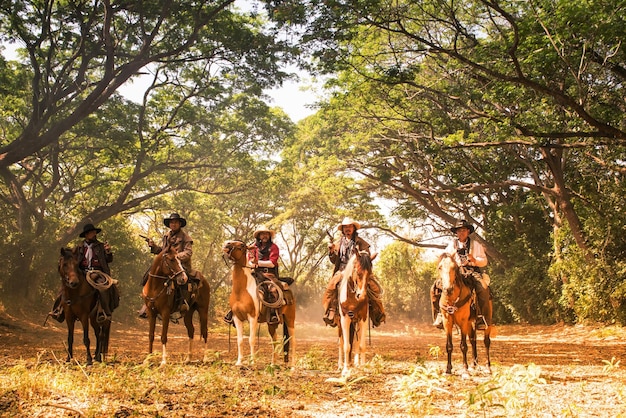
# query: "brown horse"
353,311
455,306
79,301
245,303
159,292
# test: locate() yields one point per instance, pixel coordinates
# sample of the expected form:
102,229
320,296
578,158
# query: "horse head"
167,265
236,251
354,282
449,272
68,268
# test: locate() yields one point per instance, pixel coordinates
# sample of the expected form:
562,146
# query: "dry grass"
538,371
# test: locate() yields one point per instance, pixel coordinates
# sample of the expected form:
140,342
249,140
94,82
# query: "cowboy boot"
57,312
438,323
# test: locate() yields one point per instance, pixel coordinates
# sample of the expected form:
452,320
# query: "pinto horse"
353,311
246,304
455,306
79,300
159,292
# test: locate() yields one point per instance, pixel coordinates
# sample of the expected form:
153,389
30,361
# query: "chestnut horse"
245,303
79,300
159,294
455,306
353,311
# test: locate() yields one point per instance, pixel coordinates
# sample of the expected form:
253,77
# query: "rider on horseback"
339,253
94,257
183,244
473,259
266,268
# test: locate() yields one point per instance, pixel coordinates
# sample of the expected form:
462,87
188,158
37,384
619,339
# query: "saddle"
269,293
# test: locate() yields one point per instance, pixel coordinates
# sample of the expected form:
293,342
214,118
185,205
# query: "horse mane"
365,261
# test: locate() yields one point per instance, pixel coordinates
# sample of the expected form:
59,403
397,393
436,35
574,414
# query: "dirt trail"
572,359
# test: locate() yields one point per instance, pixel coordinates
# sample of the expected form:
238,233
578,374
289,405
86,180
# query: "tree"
73,150
456,107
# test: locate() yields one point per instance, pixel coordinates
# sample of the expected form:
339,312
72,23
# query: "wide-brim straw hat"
176,216
89,228
263,228
348,221
462,223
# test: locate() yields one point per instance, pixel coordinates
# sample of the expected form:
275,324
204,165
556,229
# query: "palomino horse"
354,310
159,292
245,303
455,306
79,303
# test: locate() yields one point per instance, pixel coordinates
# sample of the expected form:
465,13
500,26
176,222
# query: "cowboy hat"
348,221
88,228
462,223
263,228
176,216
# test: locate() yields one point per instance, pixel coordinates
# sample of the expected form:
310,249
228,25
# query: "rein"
458,303
168,280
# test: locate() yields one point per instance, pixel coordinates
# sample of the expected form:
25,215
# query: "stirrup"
481,323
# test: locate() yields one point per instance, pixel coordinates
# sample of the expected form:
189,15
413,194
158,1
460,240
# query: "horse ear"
373,256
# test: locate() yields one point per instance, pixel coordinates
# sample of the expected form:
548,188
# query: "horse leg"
69,319
362,343
239,328
105,331
97,330
289,340
271,329
253,340
347,345
449,348
151,329
165,322
464,351
487,341
190,333
85,322
472,338
340,354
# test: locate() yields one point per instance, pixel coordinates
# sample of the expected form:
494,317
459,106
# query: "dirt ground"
583,368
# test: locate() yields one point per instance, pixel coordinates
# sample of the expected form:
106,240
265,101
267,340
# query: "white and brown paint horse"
245,304
353,311
159,293
455,306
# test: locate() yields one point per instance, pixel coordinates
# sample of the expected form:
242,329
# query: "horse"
353,311
455,306
158,293
80,303
245,304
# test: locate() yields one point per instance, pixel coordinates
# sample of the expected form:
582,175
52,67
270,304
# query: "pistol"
144,237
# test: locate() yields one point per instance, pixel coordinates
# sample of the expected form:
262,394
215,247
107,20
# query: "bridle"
231,246
168,278
166,262
458,275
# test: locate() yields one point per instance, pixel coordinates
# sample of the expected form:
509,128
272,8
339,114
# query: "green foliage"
406,280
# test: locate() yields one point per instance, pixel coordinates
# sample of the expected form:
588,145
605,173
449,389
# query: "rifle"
144,237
